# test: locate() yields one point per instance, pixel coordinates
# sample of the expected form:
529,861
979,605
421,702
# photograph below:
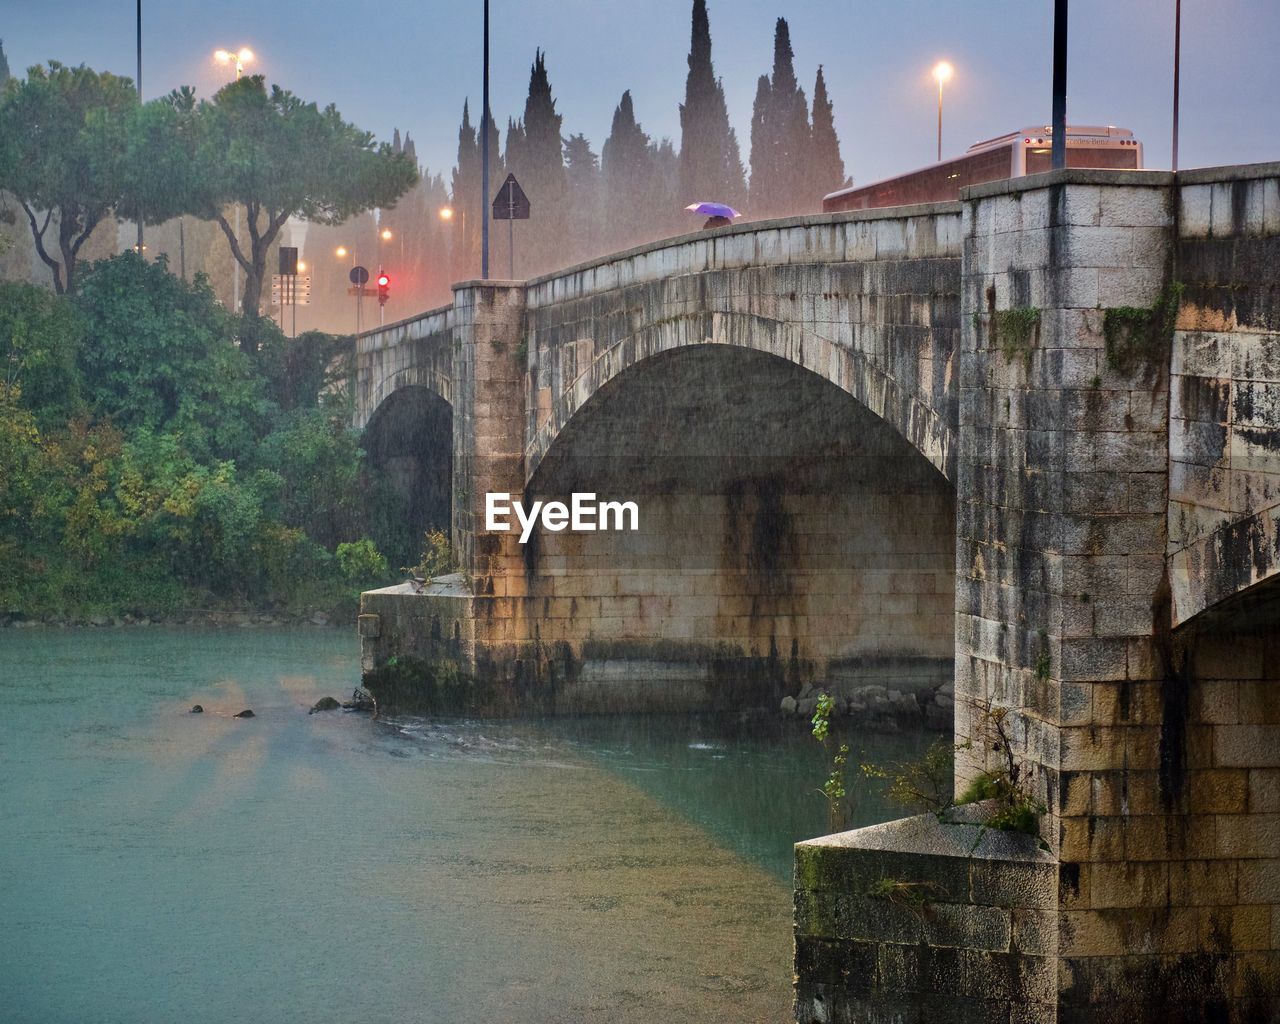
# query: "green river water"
159,866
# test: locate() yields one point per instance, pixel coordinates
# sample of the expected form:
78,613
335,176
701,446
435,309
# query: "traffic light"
384,287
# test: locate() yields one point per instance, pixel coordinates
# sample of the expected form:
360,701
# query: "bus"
1012,155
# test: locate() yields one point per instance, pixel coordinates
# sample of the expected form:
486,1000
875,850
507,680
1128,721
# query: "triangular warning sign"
511,203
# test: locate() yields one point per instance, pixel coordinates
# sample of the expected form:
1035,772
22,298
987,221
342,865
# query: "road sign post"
359,277
511,205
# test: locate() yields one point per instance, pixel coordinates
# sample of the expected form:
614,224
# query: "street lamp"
239,58
942,71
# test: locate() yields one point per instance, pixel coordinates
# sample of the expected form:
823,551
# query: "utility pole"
140,102
1059,84
1177,69
484,157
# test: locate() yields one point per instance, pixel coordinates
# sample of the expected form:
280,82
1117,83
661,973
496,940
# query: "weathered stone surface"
1049,504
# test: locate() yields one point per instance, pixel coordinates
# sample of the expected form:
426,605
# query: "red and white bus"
1008,156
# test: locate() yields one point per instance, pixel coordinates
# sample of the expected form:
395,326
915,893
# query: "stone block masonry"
1021,449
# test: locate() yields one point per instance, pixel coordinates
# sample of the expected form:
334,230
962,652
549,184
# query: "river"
159,866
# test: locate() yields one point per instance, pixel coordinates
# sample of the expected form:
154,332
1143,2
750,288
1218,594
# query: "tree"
781,140
539,164
39,341
639,182
159,354
710,161
64,153
584,216
280,157
826,162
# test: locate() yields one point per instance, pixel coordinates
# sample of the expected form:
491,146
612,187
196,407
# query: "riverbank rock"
788,705
246,713
196,709
324,704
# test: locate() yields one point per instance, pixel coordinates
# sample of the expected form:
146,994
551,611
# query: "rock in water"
324,704
788,706
246,713
196,709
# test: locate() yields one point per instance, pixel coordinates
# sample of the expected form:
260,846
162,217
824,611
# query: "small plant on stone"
925,784
833,788
1016,809
1015,329
436,558
910,894
1044,661
1136,335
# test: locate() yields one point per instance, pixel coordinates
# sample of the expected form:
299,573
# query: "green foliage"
909,894
279,157
361,562
1016,809
1137,336
159,354
437,557
64,154
318,457
925,784
1015,330
40,338
147,464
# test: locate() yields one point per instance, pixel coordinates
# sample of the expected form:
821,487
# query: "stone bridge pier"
1018,453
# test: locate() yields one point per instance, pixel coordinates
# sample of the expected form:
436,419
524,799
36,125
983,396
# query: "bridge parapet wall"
1224,446
867,301
417,352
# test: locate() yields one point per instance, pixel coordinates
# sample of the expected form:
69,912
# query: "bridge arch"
786,534
408,445
851,370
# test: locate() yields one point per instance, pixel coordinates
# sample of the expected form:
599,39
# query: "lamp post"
239,58
1177,68
342,252
484,157
1059,84
140,246
942,71
447,214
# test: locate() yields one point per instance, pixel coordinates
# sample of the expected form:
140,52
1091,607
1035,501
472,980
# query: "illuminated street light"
340,252
239,57
446,213
386,234
942,71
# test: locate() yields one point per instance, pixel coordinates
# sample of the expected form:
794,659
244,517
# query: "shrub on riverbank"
148,465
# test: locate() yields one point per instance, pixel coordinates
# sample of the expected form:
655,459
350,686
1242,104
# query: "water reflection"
158,866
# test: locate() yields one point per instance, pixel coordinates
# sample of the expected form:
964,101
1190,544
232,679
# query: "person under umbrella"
717,214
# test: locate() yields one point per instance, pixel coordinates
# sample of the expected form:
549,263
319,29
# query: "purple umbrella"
713,210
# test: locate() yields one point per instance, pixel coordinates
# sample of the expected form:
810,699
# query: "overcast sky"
410,64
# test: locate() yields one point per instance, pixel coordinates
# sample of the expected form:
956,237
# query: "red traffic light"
383,280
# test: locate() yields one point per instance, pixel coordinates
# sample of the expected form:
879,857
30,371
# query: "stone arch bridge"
1015,455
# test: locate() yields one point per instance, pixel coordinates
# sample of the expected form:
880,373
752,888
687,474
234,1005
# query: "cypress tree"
584,220
710,161
542,175
761,143
633,190
465,190
780,154
826,162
